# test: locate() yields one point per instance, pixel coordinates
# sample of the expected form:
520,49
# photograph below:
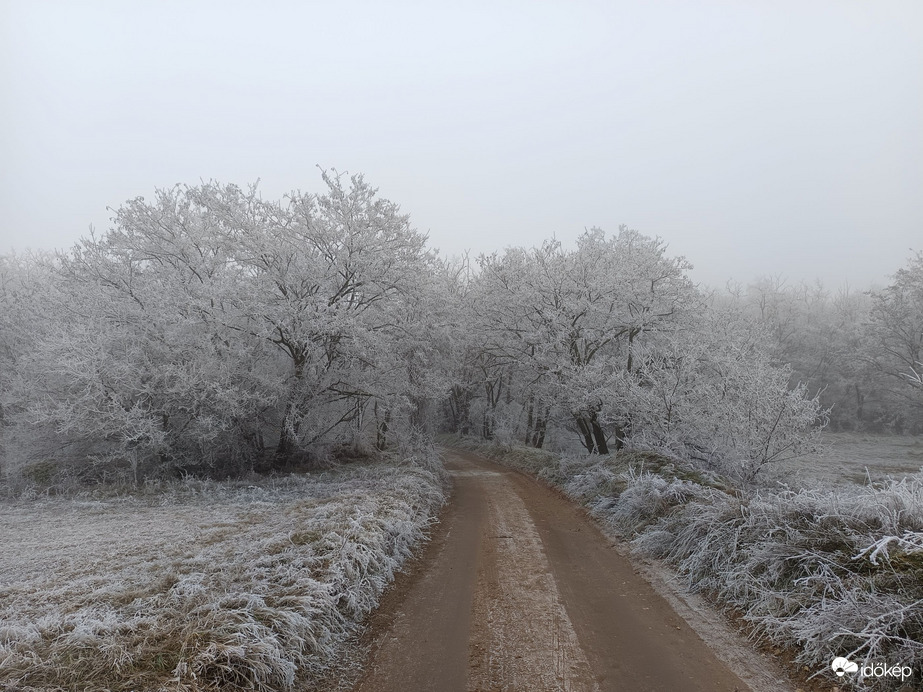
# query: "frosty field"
198,585
854,459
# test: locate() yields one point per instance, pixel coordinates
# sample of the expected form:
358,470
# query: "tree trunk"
288,436
583,427
632,333
594,437
536,422
381,428
457,408
288,432
487,431
541,424
599,436
618,439
529,419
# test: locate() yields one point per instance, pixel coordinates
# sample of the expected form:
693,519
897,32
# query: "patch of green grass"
304,537
42,473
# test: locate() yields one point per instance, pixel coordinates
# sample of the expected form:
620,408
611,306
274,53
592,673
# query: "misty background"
754,137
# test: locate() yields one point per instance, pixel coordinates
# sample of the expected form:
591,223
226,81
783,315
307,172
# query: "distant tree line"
859,352
209,331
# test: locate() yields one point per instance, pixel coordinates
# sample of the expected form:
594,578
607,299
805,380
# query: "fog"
229,420
755,138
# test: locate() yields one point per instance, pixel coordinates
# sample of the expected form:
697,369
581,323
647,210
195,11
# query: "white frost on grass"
828,573
200,585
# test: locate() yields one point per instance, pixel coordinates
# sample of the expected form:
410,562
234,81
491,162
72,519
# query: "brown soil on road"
518,591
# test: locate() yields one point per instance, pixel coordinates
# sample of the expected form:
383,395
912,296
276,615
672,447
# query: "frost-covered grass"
203,585
824,572
828,572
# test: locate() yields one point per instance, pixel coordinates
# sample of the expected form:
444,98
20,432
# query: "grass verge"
202,585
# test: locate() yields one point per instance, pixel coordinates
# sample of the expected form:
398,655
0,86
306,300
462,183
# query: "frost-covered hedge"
826,573
264,597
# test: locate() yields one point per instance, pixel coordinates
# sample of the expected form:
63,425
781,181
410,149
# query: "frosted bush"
649,496
594,481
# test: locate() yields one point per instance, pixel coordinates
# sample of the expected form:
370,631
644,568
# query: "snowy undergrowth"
204,585
832,572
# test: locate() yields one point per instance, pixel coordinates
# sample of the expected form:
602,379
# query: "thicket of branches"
209,331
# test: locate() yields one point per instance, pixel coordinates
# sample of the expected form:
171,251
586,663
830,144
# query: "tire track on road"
520,591
521,637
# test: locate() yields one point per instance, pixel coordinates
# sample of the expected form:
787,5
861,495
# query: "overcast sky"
754,137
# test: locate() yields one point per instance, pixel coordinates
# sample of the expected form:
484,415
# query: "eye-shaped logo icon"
841,666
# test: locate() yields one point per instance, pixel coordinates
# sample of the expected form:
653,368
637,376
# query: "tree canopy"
212,331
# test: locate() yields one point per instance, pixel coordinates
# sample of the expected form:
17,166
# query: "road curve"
519,590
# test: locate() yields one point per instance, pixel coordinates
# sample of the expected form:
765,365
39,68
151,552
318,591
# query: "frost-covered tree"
211,328
612,341
24,319
570,323
334,284
145,364
13,329
475,377
857,351
818,336
711,393
893,343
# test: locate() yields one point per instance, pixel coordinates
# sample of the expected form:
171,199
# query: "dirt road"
520,591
